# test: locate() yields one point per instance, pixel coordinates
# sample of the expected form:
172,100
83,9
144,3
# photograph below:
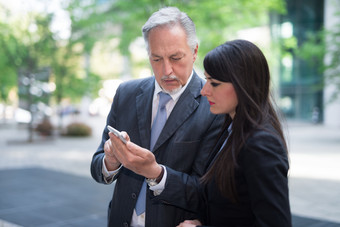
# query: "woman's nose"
204,90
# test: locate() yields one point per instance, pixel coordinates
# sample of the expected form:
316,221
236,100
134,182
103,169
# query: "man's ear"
195,53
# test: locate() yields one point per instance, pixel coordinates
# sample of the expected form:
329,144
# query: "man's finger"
125,135
136,150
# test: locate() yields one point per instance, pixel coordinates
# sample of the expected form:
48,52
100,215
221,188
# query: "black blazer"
183,146
261,182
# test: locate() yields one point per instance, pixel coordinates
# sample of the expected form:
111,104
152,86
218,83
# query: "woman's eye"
214,84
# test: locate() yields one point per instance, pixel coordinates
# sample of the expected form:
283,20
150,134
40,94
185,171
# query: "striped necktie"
156,129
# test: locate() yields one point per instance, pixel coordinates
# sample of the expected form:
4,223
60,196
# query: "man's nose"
167,68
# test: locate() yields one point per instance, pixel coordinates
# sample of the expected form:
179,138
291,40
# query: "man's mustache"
171,77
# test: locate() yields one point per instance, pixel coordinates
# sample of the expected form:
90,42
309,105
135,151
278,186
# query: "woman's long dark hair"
241,63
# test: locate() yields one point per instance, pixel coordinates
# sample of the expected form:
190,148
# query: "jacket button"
133,195
126,224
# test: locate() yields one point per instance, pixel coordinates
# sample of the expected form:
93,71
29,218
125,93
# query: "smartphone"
117,133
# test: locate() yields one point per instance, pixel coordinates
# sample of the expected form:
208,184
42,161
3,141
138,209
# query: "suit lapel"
184,107
143,106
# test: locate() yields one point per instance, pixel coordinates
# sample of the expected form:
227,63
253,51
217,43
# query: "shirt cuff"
108,175
158,189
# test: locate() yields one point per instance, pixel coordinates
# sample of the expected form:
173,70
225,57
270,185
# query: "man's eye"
176,59
156,59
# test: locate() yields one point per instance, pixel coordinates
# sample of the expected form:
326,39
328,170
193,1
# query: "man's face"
170,56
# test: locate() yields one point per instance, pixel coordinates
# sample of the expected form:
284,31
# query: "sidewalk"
315,171
41,197
48,182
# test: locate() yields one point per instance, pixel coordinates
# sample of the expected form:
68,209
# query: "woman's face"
221,96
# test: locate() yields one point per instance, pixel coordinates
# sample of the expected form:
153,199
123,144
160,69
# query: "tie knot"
164,98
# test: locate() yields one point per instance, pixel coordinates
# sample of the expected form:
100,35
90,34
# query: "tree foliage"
9,61
216,21
323,51
92,21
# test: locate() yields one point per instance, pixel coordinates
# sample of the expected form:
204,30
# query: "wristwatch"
154,181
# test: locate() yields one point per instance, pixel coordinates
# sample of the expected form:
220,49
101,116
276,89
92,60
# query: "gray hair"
171,16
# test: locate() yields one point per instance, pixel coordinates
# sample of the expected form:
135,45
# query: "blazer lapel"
184,107
143,106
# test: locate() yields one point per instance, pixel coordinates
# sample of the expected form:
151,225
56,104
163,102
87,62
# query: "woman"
246,183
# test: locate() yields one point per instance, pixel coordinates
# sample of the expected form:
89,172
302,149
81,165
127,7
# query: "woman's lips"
211,103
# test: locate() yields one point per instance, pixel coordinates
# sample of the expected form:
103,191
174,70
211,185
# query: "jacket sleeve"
264,163
183,190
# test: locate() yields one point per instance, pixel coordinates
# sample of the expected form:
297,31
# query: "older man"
184,142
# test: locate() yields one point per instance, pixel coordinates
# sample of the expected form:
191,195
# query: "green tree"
9,61
332,72
11,53
323,51
99,21
216,20
11,57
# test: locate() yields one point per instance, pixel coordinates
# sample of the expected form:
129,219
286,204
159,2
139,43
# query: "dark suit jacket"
261,182
183,146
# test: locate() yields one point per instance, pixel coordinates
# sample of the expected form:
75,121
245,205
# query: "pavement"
47,182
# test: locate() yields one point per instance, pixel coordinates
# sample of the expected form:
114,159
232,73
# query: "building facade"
303,90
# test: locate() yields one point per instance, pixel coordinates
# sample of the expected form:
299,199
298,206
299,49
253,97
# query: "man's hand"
190,223
111,162
135,158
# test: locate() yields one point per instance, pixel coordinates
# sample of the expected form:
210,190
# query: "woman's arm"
264,161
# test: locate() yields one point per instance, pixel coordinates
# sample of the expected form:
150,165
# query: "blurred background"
65,57
62,60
